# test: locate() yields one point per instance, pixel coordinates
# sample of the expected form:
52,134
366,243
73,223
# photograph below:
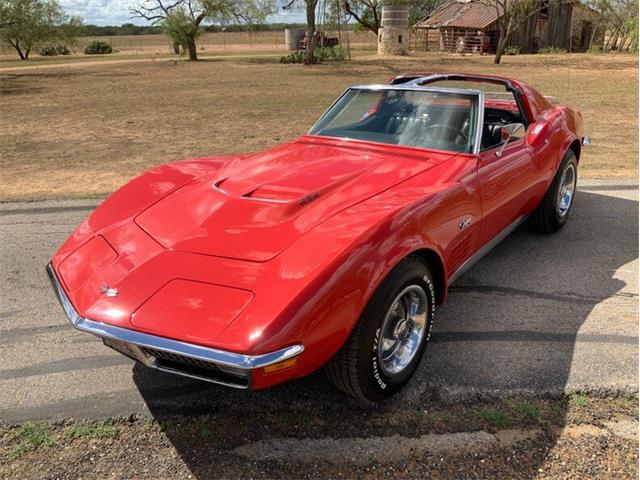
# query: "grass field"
82,129
207,43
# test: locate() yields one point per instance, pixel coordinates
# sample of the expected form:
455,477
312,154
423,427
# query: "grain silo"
393,36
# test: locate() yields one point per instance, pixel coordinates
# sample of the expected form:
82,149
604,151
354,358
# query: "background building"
469,26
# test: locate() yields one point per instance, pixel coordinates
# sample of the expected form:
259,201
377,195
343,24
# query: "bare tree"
182,19
512,14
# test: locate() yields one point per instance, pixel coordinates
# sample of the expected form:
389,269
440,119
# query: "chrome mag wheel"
403,329
567,189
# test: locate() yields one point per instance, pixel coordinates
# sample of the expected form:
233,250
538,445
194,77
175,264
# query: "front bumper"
195,361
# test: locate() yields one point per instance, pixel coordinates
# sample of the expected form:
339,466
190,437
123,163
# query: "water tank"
292,37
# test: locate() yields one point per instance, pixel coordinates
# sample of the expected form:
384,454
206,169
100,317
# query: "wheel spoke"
403,330
567,189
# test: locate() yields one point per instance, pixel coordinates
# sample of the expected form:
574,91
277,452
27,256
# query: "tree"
25,24
182,19
621,19
310,7
514,13
368,13
180,29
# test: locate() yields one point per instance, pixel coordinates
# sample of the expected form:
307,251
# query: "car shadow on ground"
510,327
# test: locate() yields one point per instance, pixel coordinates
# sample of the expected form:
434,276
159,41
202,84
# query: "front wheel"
553,211
386,346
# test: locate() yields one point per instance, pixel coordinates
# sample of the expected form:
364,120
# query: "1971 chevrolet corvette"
330,250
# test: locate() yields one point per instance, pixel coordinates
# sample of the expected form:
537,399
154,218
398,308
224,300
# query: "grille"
194,367
182,365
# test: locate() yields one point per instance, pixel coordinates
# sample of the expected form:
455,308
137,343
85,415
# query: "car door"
505,177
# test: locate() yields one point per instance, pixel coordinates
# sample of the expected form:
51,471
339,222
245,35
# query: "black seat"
491,135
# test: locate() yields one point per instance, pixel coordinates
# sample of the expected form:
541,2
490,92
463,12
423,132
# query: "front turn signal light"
276,367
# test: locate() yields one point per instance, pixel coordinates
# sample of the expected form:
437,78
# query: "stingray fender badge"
464,223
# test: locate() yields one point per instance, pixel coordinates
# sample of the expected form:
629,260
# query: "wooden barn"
470,26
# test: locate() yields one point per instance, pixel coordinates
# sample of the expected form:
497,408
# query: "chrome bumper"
186,359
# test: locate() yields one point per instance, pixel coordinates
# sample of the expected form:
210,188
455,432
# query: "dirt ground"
82,130
576,437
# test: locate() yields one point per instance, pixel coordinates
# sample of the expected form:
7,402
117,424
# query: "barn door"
585,35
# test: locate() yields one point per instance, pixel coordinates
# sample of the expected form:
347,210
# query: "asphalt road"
538,315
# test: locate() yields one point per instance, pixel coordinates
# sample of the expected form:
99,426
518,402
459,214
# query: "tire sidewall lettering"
374,362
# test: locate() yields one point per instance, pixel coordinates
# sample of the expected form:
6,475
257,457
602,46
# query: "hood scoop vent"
256,207
275,194
278,194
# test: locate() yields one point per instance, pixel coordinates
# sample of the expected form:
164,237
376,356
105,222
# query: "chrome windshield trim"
416,87
479,123
222,357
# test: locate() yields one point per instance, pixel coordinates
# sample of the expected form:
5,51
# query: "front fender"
137,195
356,250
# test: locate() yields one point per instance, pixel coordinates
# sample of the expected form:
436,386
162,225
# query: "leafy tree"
621,20
182,19
310,8
180,29
368,13
25,24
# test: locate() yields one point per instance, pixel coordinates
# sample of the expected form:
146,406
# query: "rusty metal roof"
461,14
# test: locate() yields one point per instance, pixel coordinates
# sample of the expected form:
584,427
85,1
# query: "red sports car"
331,250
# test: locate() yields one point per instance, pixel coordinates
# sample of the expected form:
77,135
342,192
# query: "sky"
116,12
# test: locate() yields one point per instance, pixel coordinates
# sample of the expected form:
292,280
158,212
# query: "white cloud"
99,12
116,12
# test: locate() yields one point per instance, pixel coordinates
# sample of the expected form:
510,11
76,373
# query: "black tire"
356,369
547,218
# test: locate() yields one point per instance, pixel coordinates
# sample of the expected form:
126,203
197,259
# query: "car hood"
254,207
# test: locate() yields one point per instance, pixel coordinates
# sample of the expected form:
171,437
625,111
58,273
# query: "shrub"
549,50
53,50
294,57
335,54
98,47
595,49
512,50
338,54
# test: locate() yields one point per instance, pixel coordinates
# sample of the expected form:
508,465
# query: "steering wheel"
457,132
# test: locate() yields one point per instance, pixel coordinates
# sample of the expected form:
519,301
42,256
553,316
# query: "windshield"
416,118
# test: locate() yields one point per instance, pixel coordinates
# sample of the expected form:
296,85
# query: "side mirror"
507,132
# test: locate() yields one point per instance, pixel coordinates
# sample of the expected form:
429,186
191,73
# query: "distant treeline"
131,29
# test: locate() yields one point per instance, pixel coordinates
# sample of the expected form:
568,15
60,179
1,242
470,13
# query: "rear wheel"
386,346
553,211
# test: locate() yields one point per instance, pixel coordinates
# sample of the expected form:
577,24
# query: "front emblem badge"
108,291
464,223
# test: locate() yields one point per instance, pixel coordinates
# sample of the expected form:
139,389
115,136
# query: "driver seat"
490,135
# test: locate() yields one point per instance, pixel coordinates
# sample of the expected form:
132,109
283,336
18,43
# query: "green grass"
86,430
29,437
526,412
495,417
579,399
